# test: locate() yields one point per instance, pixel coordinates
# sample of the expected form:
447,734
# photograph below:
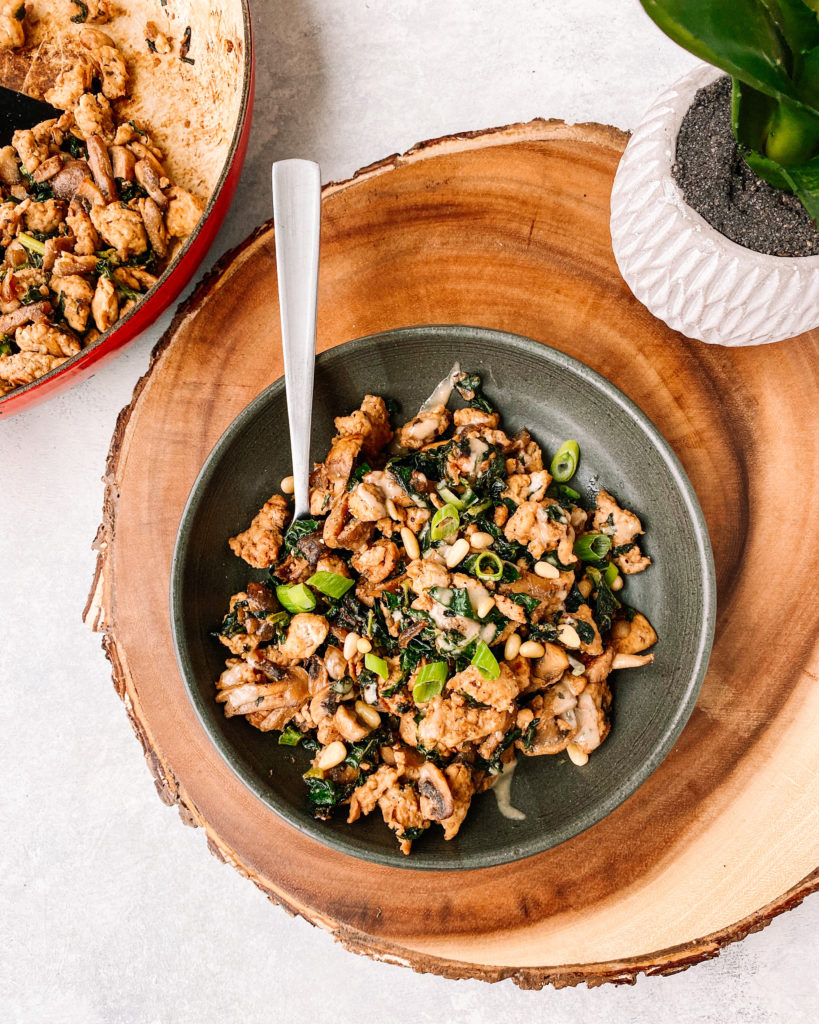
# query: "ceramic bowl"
198,112
556,397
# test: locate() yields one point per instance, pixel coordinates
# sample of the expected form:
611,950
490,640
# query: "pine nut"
532,649
585,587
485,606
333,754
546,570
368,715
569,636
480,540
288,485
350,645
618,583
457,553
576,755
410,542
392,511
363,645
512,647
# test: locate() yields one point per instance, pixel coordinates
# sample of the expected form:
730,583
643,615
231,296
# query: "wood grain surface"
509,229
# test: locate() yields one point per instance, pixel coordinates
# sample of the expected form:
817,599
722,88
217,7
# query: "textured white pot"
683,270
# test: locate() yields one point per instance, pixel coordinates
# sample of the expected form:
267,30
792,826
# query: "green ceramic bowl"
556,397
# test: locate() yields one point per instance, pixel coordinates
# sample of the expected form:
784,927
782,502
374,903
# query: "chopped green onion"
568,492
332,584
475,510
564,464
291,737
429,682
592,546
611,574
485,661
296,598
483,571
377,665
445,522
452,498
32,244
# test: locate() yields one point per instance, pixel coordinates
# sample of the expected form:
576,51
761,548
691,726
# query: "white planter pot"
683,270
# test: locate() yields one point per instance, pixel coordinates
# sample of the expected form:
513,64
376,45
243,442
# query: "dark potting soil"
718,184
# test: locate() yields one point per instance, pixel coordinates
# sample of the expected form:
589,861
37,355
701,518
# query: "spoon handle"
297,217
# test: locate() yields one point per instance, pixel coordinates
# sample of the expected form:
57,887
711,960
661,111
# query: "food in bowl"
89,216
449,603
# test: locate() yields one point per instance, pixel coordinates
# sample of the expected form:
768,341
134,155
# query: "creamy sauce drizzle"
503,793
440,396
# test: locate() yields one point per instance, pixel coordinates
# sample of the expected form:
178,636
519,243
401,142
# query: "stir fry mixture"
88,216
450,602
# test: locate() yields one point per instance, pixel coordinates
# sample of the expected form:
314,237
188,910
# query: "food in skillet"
88,216
450,603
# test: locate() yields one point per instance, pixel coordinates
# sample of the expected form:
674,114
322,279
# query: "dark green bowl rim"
630,783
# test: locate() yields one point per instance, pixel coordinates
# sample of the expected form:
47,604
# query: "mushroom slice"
122,161
88,191
154,226
347,723
436,796
48,168
100,164
149,179
66,182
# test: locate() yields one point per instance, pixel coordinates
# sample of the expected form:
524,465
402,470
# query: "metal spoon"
297,218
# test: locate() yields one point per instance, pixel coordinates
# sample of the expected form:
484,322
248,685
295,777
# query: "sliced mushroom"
154,226
436,796
9,167
48,168
550,667
347,723
100,164
69,179
90,194
317,674
324,704
122,161
25,314
149,179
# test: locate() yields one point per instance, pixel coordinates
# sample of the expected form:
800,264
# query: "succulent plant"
770,48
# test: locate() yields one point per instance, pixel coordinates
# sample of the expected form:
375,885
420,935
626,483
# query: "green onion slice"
429,682
377,665
612,572
291,737
488,566
296,597
568,492
332,584
459,501
564,464
32,244
485,661
591,547
445,522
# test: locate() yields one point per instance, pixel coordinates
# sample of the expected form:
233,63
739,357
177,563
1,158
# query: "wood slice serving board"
509,229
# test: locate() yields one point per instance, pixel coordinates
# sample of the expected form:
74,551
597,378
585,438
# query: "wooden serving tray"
509,229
